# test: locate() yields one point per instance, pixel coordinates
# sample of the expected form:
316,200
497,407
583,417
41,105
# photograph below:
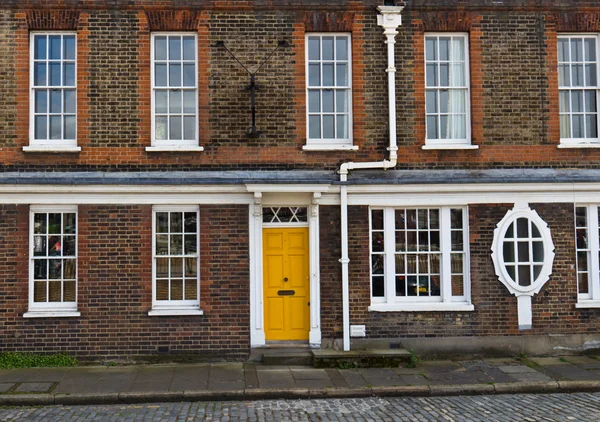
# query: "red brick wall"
115,288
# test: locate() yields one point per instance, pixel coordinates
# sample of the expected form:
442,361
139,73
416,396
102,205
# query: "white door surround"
283,195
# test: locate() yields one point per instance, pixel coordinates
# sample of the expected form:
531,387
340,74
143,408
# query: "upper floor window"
53,76
578,88
447,89
53,261
328,90
419,259
174,89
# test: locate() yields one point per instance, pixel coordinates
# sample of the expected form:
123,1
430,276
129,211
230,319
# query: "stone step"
283,357
369,358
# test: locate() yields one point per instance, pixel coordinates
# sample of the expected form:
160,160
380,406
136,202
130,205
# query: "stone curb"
298,393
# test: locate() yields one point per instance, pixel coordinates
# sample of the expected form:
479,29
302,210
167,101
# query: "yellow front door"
286,283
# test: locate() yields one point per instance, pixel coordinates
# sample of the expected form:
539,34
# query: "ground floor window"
419,258
176,281
587,233
53,259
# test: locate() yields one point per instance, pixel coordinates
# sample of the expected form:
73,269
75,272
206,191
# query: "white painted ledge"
422,307
51,314
449,146
175,312
583,145
175,149
51,149
332,147
588,304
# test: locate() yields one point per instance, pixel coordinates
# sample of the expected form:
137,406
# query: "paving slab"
337,378
440,366
187,384
529,377
497,375
409,371
517,369
34,387
378,373
277,378
310,374
353,378
502,361
583,362
313,384
5,386
466,377
571,372
226,373
226,385
416,380
546,361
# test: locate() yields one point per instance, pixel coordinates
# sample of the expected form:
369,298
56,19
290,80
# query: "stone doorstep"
368,358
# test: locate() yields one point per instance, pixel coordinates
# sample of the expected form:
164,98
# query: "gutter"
389,19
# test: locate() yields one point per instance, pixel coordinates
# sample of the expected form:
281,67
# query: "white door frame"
277,195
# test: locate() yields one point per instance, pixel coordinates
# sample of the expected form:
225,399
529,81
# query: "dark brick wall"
331,272
115,288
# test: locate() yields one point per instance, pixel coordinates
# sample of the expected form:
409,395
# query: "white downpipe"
389,18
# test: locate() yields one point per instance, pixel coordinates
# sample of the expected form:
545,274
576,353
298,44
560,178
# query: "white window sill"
449,146
329,147
588,304
593,144
51,314
175,312
421,307
174,148
51,148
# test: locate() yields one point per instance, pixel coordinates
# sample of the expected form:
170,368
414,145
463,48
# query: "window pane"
432,75
577,75
576,50
174,48
444,127
190,244
55,101
524,275
578,126
591,75
189,48
160,75
314,78
591,125
328,75
590,49
444,101
190,222
160,101
444,47
314,127
161,128
69,74
430,101
538,252
377,287
565,127
314,101
564,78
191,289
377,219
189,102
565,104
69,47
341,48
430,49
174,75
70,127
191,267
39,74
342,127
175,130
458,49
189,128
327,46
328,101
54,291
54,269
328,127
176,225
176,289
176,244
314,47
162,289
377,242
432,130
522,227
342,75
583,282
55,127
176,267
444,75
160,48
508,252
41,101
41,129
54,75
189,75
458,75
457,240
39,51
175,101
54,41
39,246
590,101
70,103
563,50
69,291
341,104
69,268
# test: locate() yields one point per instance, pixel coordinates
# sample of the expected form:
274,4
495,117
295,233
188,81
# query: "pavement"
252,381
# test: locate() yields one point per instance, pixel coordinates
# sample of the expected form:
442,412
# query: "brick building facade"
423,174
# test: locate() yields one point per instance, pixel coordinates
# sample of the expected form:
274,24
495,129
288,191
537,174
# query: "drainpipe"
389,19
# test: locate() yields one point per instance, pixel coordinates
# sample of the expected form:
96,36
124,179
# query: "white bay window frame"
590,248
175,307
445,301
433,110
47,143
166,143
322,142
588,86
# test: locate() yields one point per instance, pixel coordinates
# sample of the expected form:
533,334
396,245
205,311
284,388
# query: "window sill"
174,148
175,312
56,149
51,314
422,307
588,304
595,144
329,147
449,146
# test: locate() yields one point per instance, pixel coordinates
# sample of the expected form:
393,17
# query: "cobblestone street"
550,407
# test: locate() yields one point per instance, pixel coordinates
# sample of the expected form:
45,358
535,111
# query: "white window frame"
50,145
449,143
51,309
446,301
174,307
569,142
325,144
591,299
159,145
